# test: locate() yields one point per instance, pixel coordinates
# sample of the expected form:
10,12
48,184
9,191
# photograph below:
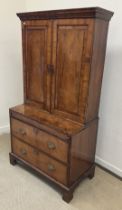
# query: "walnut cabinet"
54,131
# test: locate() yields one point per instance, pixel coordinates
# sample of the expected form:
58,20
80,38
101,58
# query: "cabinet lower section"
65,161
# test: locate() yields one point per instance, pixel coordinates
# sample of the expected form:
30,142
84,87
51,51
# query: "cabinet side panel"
97,67
83,151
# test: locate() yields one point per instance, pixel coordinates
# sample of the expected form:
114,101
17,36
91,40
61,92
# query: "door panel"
37,58
72,45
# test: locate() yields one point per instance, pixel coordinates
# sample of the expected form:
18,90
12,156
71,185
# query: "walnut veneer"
54,132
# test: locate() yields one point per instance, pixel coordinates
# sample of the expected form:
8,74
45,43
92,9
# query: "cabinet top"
91,12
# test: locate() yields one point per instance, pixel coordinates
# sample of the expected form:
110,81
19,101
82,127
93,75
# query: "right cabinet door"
72,49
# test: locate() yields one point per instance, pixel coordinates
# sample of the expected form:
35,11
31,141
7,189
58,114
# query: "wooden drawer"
40,139
51,167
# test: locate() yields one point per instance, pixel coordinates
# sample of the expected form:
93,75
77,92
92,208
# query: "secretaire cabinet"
54,131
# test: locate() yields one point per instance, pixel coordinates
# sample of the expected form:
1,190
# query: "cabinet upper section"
92,12
63,60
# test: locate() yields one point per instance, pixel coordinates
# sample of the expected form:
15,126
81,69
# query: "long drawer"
46,164
40,139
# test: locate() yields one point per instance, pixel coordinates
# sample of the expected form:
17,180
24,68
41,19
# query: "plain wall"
109,146
10,59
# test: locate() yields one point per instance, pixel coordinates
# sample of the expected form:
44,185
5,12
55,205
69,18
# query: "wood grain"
97,68
83,151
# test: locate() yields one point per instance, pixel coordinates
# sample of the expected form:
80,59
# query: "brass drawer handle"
23,152
22,132
51,167
51,145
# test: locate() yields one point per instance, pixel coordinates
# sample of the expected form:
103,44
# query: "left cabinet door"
36,59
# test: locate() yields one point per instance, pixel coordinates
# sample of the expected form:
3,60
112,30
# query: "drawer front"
51,167
41,140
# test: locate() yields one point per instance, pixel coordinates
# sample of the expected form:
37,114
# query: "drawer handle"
51,145
51,167
22,132
23,152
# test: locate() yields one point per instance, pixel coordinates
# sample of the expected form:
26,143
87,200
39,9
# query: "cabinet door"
72,47
37,55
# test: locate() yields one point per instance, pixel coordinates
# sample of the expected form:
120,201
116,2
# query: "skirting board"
108,166
4,129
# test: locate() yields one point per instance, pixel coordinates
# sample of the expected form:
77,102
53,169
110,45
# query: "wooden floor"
22,190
